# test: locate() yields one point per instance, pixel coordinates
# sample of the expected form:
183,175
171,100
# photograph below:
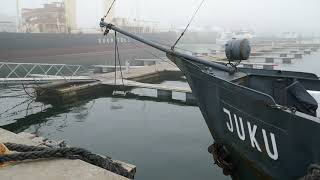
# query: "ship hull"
263,141
84,49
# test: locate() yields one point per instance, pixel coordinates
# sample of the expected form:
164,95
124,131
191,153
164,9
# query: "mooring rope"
9,109
35,152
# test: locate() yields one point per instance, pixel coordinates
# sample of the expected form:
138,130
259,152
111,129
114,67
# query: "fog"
259,15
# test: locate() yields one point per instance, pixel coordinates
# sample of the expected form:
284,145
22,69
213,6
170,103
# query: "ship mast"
18,15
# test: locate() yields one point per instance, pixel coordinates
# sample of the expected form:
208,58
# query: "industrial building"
61,17
56,17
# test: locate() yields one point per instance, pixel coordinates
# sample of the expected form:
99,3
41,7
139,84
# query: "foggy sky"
259,15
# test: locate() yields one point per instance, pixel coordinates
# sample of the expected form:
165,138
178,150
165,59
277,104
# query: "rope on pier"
35,152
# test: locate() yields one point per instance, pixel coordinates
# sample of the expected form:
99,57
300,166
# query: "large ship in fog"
49,34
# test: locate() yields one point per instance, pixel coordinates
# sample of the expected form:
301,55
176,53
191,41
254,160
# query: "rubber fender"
238,49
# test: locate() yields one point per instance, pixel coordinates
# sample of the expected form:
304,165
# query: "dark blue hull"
264,139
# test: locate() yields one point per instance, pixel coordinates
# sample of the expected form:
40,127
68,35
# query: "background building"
70,14
56,17
50,18
7,24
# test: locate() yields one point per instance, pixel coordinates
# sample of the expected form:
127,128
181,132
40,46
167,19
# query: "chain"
313,173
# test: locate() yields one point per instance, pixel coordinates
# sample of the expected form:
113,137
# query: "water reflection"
37,112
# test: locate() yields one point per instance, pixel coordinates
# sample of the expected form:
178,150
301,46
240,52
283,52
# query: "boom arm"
167,50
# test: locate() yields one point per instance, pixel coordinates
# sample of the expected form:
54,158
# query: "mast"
70,14
168,51
18,15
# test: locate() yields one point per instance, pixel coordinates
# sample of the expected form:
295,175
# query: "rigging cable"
23,102
119,62
154,55
25,90
117,56
187,25
105,16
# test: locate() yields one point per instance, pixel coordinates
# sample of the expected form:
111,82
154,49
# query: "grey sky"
260,15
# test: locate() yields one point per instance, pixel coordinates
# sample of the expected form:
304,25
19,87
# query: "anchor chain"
313,173
221,157
35,152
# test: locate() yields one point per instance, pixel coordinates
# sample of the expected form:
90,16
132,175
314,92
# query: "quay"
134,78
52,169
121,79
280,54
129,77
271,59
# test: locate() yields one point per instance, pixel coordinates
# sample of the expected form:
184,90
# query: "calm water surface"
164,140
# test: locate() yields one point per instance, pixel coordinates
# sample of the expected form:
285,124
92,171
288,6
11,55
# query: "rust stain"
3,150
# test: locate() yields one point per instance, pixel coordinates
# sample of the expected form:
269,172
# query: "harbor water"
164,140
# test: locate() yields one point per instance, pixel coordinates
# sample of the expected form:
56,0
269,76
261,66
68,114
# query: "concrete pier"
307,52
269,60
248,65
51,169
106,82
279,52
283,54
267,66
287,60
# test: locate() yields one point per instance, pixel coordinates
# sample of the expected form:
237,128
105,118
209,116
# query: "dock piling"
164,94
190,99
